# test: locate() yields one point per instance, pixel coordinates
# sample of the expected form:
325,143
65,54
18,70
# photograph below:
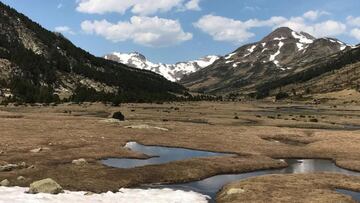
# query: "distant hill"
260,69
37,65
172,72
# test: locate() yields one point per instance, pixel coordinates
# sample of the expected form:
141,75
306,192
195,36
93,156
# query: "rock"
5,183
89,193
21,178
119,116
9,167
79,162
144,126
235,191
45,186
37,150
40,149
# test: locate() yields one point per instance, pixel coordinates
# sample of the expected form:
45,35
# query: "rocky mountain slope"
37,65
172,72
282,53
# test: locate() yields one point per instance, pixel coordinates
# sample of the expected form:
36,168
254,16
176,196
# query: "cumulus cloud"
193,5
224,29
147,31
138,7
237,31
314,14
353,21
355,33
64,30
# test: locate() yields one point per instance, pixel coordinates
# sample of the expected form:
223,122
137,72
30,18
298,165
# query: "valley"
258,133
275,120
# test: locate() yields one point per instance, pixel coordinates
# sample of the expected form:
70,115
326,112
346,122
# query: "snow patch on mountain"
302,38
172,72
273,57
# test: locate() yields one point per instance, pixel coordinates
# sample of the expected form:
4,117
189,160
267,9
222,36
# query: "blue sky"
180,30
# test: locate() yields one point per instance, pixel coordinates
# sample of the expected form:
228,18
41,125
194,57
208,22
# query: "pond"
210,186
159,155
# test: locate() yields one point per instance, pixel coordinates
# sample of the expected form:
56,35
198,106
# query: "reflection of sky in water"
354,195
164,155
210,186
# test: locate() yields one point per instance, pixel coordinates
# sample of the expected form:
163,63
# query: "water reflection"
210,186
353,194
163,155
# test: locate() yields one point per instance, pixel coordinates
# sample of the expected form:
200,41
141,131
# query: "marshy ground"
49,138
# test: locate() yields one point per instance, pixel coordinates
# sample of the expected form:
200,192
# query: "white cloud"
64,30
322,29
224,29
193,5
147,31
237,31
60,5
355,33
138,7
314,14
353,21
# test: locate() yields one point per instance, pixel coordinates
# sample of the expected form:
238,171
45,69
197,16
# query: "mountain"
282,53
172,72
37,65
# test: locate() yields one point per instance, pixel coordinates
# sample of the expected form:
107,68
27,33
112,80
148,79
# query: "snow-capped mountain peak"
282,47
172,72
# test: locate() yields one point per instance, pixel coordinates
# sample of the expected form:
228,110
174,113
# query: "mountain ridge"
37,65
283,52
172,72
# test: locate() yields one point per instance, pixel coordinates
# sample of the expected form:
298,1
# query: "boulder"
79,162
37,150
21,178
5,183
119,116
45,186
10,167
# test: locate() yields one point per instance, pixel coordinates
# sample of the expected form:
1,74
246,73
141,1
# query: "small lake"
159,155
210,186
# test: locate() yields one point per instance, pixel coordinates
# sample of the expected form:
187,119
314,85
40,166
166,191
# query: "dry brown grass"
84,133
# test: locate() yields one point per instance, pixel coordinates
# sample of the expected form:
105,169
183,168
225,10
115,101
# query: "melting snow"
273,57
18,195
229,56
235,64
263,44
300,46
279,38
302,39
250,50
229,61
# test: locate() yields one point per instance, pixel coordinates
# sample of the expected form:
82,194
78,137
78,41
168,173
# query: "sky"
171,31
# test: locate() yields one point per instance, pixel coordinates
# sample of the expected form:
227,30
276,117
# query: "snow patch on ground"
18,195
